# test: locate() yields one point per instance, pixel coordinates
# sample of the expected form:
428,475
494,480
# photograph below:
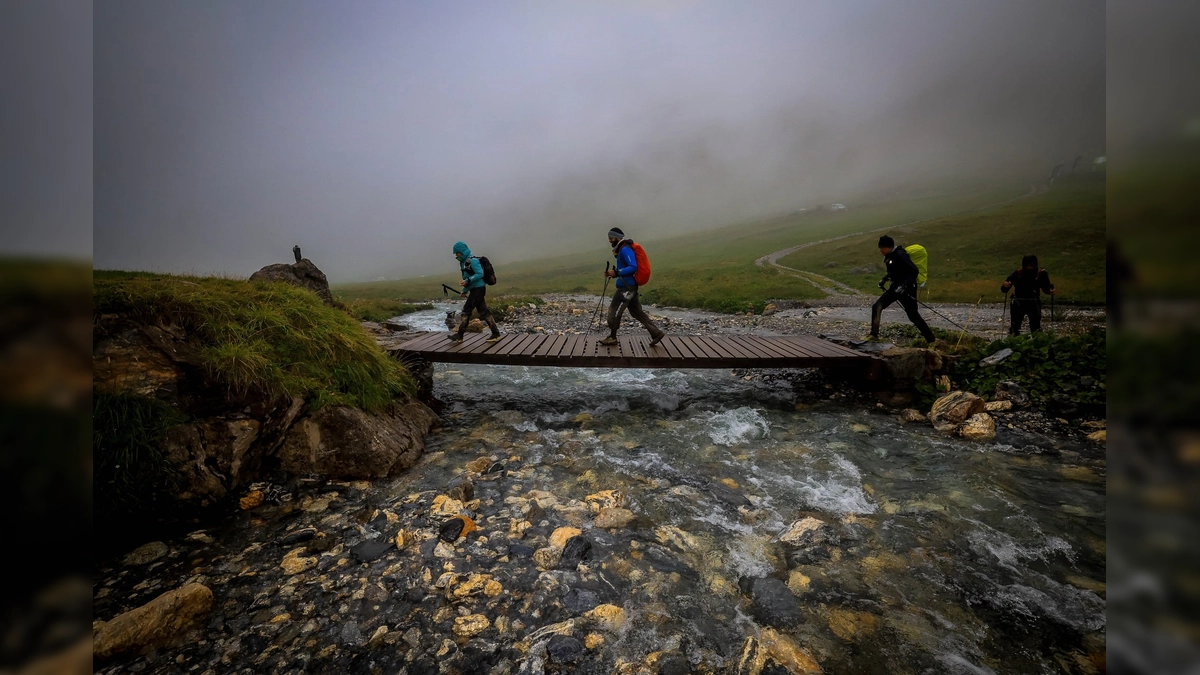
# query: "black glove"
881,284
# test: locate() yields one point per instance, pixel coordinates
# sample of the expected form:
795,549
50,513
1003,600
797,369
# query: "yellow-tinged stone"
474,585
281,618
492,588
1086,583
850,625
445,506
798,582
614,517
559,537
470,625
1079,473
582,417
547,557
1099,436
479,465
403,538
593,640
609,617
730,483
787,653
516,528
295,563
604,499
669,534
251,500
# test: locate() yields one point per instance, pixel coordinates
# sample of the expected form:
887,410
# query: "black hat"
887,242
616,233
1029,261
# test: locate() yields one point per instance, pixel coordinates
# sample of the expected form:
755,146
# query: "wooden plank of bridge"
786,350
548,346
755,350
799,348
471,341
425,341
820,347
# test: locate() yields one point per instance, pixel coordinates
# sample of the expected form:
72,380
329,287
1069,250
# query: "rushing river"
925,553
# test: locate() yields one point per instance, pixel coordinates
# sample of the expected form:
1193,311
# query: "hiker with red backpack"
476,277
1028,283
631,271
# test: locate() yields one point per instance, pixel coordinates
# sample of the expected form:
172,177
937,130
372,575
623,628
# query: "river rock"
614,518
146,553
295,562
564,649
576,550
772,603
456,527
998,406
953,409
558,539
1008,390
547,557
803,532
155,623
910,416
727,495
774,652
978,427
996,359
580,600
1099,436
906,364
471,625
673,664
370,550
461,489
607,617
605,499
298,536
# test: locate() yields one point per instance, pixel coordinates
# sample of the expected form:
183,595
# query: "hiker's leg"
881,304
636,311
485,312
914,315
1017,317
474,298
620,300
1035,316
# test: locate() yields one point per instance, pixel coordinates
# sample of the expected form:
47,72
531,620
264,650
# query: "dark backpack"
489,272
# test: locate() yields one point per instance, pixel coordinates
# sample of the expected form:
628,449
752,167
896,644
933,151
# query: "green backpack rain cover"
920,258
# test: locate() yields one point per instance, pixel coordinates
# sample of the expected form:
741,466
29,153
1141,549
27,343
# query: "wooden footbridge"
634,351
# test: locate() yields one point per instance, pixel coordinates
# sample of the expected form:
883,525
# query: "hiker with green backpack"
631,271
477,275
906,277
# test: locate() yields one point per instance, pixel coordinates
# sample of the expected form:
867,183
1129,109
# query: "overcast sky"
375,134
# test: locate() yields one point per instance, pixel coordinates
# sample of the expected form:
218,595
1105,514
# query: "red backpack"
642,276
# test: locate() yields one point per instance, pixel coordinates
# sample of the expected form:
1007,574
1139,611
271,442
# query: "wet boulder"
905,364
771,602
978,427
302,273
155,623
344,442
953,409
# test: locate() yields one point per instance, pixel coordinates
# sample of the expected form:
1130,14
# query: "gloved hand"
881,284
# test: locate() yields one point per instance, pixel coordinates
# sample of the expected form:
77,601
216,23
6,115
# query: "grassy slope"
971,254
713,269
268,337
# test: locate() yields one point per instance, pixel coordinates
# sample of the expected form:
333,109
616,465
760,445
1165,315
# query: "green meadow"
714,269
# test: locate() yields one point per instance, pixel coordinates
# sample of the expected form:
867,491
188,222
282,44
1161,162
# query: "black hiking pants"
1023,307
910,307
477,303
627,298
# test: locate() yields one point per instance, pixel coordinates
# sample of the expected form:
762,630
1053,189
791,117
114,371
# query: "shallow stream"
927,553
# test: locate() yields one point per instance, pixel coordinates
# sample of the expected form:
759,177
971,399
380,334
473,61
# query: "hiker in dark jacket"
1027,283
626,294
474,288
903,275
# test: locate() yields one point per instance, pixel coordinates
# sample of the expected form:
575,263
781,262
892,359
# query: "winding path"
836,288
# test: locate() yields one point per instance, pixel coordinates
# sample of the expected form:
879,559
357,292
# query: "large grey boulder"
303,274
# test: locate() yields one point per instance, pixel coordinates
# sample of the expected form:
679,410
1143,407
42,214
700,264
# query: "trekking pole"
1052,319
951,321
446,291
964,330
1005,310
596,312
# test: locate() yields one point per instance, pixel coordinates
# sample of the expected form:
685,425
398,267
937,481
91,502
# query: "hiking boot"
610,341
454,337
657,337
494,338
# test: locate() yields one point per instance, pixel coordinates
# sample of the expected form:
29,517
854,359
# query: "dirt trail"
840,290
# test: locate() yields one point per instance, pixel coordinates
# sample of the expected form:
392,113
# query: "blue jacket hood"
461,248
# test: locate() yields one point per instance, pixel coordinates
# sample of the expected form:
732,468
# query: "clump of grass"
131,469
267,337
1044,364
381,309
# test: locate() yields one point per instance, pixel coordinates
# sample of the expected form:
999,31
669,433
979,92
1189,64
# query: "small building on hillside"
837,207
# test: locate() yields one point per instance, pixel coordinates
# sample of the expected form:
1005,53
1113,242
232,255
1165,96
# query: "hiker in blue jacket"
474,288
626,294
